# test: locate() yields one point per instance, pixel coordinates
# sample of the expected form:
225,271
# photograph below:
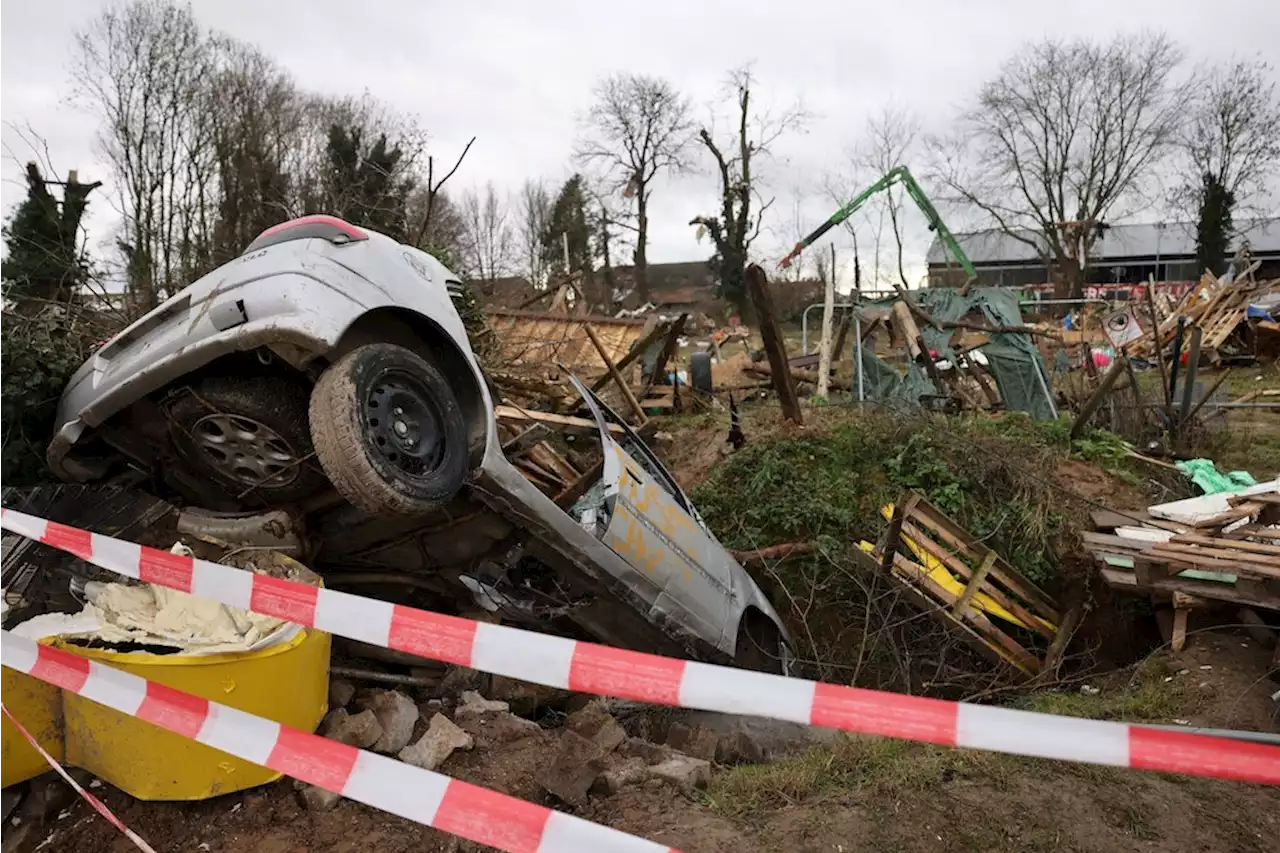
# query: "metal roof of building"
1119,242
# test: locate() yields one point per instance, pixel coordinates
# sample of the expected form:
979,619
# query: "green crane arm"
897,175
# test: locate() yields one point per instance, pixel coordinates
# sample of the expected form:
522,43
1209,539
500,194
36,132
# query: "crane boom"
897,175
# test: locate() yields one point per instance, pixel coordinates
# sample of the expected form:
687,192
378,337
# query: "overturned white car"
327,372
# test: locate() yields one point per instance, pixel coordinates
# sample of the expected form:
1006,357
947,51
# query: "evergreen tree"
364,185
43,260
1213,228
568,217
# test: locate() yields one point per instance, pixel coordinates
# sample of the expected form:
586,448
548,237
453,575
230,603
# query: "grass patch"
871,767
1143,697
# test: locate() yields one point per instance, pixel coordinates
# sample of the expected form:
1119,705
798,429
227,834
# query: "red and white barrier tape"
432,799
590,668
97,804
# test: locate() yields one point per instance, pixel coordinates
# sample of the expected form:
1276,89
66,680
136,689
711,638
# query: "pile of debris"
960,351
1199,553
1230,313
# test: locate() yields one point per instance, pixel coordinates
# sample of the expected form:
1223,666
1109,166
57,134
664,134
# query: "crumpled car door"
651,524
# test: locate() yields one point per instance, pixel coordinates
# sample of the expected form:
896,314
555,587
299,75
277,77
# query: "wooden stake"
1104,389
774,346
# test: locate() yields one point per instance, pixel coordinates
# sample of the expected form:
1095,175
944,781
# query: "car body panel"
299,297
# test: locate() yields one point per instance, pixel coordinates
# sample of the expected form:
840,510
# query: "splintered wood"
1219,307
968,587
1197,553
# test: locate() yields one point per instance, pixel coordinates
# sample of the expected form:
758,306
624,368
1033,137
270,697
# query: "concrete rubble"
442,738
683,771
697,741
595,723
360,730
397,714
473,705
594,756
574,770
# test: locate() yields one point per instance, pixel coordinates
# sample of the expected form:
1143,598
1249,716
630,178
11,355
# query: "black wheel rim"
403,424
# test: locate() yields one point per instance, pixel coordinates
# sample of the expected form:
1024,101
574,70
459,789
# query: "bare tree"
142,68
637,128
432,191
1230,148
735,227
533,213
486,238
255,114
892,136
1062,137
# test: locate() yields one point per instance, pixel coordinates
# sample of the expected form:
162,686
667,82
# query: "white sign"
1122,328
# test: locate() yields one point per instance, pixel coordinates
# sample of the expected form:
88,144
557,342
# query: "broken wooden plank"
1231,544
1058,648
1098,397
941,614
889,544
1128,582
617,375
637,350
512,414
960,539
953,562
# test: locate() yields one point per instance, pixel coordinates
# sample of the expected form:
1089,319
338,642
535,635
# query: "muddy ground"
854,794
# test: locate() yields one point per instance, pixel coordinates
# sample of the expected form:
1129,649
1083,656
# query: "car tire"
388,431
249,436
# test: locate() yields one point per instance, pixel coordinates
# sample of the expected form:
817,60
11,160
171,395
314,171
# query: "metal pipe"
804,322
1234,734
384,677
1053,408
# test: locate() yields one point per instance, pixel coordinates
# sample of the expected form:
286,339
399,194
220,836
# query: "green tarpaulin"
1013,359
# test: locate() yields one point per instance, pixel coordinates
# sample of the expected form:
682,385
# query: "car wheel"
759,645
249,436
389,431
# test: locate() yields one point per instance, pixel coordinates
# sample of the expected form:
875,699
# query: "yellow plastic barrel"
38,706
288,683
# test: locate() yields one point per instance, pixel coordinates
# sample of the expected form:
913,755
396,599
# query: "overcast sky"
518,74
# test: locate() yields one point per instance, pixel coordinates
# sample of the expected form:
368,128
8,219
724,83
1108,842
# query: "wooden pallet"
920,534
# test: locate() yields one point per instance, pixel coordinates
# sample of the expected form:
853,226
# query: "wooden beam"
1124,581
637,350
774,345
617,375
514,415
893,533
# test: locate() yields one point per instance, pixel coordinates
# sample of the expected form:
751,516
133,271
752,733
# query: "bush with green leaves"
40,352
